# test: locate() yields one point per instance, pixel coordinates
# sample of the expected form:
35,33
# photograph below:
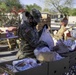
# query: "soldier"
28,34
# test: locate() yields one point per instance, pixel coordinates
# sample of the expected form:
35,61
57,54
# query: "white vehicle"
58,19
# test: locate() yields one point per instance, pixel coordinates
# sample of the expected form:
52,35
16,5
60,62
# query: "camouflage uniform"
28,34
29,40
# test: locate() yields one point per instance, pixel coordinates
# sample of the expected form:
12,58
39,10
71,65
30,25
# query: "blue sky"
38,2
28,2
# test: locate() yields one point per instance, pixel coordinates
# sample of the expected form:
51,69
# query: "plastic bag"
73,33
62,47
46,37
70,43
37,51
24,64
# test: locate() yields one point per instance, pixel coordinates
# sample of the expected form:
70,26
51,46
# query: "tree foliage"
3,7
59,5
30,7
73,12
46,10
7,5
66,10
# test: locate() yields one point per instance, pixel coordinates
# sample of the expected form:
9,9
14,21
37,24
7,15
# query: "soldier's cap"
36,14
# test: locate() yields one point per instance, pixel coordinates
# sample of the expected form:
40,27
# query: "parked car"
58,19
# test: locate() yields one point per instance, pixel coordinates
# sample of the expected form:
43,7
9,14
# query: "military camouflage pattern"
29,40
29,34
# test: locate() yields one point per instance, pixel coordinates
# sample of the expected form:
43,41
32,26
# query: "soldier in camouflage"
28,34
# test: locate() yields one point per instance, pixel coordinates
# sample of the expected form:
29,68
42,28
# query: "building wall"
72,19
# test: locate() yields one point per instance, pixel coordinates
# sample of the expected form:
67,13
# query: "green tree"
46,10
66,10
73,12
13,3
9,4
30,7
58,5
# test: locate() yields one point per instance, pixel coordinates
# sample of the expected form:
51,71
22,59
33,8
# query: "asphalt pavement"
56,25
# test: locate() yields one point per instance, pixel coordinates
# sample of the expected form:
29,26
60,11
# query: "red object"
21,10
13,11
68,34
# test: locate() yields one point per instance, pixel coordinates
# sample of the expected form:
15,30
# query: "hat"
36,14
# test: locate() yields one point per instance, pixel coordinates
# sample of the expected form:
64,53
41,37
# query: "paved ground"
56,25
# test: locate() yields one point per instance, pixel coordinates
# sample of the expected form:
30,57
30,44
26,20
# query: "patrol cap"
36,14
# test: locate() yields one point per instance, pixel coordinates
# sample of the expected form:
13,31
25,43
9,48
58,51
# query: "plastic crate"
72,58
59,67
38,70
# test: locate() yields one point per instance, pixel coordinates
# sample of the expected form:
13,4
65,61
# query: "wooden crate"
2,35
